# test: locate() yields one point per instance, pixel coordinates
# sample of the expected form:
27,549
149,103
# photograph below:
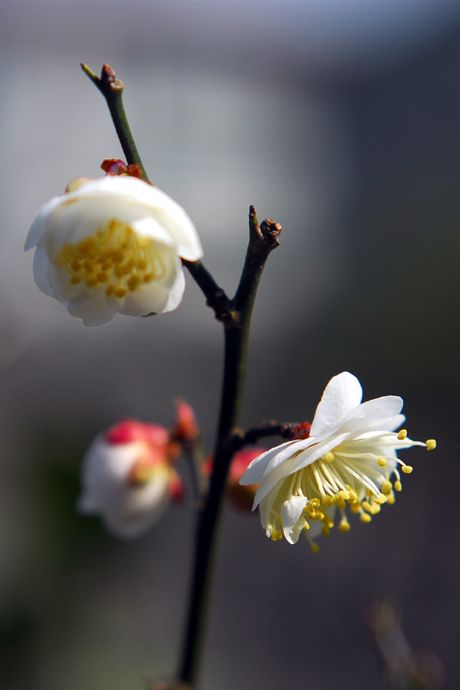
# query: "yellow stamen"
386,487
402,435
115,259
407,469
329,457
431,444
344,525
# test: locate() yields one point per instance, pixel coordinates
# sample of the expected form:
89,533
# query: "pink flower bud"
185,428
128,478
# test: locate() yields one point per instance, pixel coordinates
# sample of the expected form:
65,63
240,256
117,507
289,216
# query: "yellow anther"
319,515
117,256
356,507
328,522
364,517
398,485
315,502
431,444
353,497
327,501
325,531
328,457
314,547
386,487
133,283
339,501
344,525
275,535
344,494
380,499
307,526
310,510
367,506
407,469
382,462
114,255
402,435
391,499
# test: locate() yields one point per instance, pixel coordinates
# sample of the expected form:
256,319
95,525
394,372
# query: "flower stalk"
112,90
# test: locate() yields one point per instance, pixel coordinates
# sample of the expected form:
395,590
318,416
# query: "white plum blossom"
112,245
346,459
128,479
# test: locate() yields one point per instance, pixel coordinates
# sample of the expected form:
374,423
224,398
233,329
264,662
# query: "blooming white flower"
348,457
113,245
128,479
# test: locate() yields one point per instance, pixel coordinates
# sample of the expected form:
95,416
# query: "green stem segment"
237,323
112,90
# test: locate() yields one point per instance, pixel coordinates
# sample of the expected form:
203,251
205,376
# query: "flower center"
115,258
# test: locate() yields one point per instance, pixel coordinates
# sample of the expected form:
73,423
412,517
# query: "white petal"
39,223
287,450
375,412
266,506
156,204
268,482
176,292
94,312
291,516
342,394
40,267
255,470
310,455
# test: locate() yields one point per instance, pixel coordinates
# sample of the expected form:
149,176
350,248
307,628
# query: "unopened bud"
128,478
185,428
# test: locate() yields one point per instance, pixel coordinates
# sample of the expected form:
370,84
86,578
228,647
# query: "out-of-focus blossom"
185,428
347,459
128,478
241,497
112,245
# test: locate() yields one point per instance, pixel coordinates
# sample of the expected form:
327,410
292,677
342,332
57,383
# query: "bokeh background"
340,119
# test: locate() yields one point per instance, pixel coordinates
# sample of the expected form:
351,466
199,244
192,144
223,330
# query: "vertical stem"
236,347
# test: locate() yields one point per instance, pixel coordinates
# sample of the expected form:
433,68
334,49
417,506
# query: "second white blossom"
347,458
113,245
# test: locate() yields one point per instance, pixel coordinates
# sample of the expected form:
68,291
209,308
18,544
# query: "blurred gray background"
340,119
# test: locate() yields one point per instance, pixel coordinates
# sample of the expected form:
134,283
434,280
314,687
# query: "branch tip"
109,78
